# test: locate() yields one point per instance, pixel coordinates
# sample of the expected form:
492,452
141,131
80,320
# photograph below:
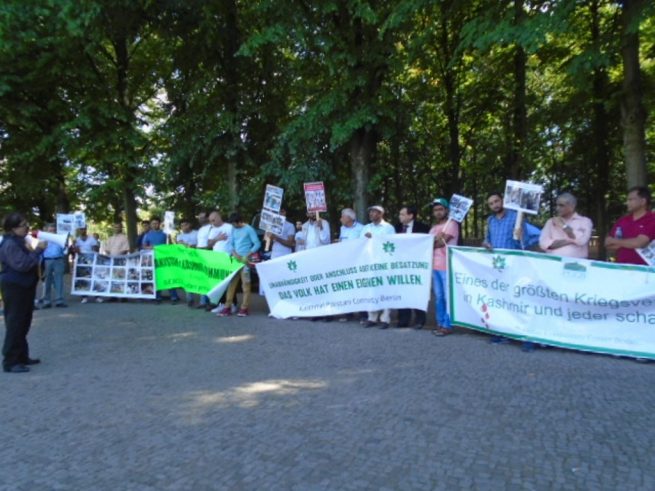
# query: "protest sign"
66,223
315,197
522,196
565,302
273,198
459,207
271,222
196,270
169,222
648,253
129,276
79,220
392,271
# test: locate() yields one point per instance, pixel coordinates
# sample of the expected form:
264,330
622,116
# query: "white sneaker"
84,300
218,308
235,309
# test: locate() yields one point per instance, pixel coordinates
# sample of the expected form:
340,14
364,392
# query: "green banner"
195,270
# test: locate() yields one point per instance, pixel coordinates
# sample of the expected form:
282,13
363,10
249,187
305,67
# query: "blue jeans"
54,275
439,287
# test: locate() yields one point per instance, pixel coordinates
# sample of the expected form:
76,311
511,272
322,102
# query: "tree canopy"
116,106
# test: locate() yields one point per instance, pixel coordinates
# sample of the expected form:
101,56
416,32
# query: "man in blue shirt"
243,243
54,259
154,237
500,235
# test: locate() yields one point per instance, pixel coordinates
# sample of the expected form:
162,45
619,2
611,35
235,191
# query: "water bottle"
619,233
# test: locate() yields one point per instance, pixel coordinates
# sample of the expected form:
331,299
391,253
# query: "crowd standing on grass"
565,234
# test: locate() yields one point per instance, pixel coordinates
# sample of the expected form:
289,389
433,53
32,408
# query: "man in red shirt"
635,230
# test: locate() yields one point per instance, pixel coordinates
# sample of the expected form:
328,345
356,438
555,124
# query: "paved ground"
143,397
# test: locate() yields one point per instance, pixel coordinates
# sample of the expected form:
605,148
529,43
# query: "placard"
459,207
648,253
169,222
273,198
271,222
315,196
66,223
523,196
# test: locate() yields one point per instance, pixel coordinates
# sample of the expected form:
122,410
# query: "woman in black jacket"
18,280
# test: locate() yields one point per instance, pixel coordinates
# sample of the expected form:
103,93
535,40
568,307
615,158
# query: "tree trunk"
362,146
130,213
633,113
601,133
515,165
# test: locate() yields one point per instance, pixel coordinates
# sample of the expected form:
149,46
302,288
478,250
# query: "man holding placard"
445,232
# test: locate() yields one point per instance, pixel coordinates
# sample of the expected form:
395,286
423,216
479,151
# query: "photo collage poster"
523,196
459,207
270,219
128,276
315,196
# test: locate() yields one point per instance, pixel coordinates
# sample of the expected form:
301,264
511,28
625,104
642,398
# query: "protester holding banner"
445,232
350,227
500,226
203,237
410,225
86,244
568,233
635,230
375,228
155,237
189,238
18,281
218,235
117,244
500,235
243,244
315,232
145,228
54,259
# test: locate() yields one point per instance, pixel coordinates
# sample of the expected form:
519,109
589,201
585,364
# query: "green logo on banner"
389,248
499,263
292,266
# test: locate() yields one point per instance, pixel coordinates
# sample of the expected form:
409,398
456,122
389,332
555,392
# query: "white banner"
392,271
571,303
129,276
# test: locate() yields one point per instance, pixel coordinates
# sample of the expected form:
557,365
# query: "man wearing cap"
377,227
445,233
410,225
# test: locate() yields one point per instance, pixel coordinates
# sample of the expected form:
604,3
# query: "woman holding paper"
18,281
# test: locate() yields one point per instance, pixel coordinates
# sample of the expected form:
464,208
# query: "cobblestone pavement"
133,396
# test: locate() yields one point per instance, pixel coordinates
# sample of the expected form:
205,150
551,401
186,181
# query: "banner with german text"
571,303
391,271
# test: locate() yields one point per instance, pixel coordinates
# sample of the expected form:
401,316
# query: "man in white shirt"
377,227
187,236
218,238
87,244
203,237
316,233
299,238
350,227
283,244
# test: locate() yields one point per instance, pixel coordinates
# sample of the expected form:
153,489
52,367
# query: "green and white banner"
392,271
571,303
196,270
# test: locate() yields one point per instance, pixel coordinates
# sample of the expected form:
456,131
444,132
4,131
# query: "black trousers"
405,317
18,306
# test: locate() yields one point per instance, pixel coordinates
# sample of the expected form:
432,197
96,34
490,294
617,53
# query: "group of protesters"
566,234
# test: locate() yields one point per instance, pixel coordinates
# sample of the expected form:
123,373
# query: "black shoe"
32,361
370,324
384,325
16,369
175,301
418,327
46,306
401,326
61,305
